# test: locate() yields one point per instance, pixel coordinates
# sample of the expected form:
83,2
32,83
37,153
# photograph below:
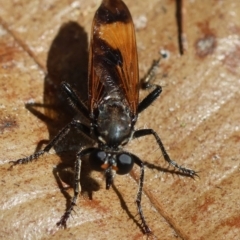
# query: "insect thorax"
114,122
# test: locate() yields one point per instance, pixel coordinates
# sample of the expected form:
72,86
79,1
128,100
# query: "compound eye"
97,159
124,163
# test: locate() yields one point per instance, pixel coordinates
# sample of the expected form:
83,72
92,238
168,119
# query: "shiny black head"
121,163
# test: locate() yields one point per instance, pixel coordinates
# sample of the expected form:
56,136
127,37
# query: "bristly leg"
144,225
73,124
73,98
145,132
147,83
77,173
146,102
51,144
151,74
109,178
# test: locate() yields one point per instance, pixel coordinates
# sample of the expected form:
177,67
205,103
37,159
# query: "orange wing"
113,63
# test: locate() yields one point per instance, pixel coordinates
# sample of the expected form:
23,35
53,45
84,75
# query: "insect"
113,104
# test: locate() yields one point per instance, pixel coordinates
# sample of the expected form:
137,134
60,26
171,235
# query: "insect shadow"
67,61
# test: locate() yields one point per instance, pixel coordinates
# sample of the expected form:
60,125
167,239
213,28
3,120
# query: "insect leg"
150,98
74,123
151,74
109,178
74,99
145,132
77,171
147,83
145,227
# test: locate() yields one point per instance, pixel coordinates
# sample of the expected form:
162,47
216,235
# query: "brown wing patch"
113,55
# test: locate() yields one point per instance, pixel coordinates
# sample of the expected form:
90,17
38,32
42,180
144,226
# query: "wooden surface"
197,117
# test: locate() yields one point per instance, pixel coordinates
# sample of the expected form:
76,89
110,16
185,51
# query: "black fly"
113,107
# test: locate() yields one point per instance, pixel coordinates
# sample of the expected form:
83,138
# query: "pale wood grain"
197,117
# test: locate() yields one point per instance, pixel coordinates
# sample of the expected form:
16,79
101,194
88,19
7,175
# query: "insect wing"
113,63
